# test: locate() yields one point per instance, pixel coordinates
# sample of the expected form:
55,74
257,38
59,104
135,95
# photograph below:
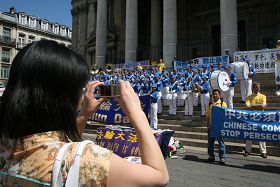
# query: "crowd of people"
180,87
42,112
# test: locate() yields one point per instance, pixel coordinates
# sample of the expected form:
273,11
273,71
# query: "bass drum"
241,69
219,80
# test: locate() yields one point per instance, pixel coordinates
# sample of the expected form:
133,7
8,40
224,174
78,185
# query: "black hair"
43,91
211,98
216,90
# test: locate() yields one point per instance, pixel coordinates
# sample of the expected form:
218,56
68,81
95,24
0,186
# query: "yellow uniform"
256,99
209,108
160,67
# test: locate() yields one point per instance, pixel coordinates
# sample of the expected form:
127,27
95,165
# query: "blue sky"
53,10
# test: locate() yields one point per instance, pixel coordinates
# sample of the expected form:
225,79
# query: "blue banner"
111,113
199,62
244,124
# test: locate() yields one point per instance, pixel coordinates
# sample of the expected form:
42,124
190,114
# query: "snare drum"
219,80
241,69
181,95
167,98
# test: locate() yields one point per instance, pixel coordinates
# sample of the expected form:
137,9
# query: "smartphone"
111,90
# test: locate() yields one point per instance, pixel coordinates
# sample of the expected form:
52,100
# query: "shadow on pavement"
256,167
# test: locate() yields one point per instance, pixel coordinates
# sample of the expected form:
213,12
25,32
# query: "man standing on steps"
246,84
216,94
256,101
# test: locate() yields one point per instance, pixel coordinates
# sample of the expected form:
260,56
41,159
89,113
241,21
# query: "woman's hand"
128,100
89,104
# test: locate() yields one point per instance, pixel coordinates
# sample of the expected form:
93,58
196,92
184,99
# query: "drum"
219,80
241,69
181,95
166,99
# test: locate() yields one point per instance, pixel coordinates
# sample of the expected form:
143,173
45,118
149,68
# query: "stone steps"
192,132
230,146
202,135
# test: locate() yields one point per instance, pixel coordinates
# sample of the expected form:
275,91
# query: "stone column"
91,19
75,16
131,30
101,33
82,32
229,37
169,31
156,29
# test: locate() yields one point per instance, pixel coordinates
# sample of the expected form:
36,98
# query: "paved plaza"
193,170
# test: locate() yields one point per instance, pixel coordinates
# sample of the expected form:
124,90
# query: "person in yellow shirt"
216,94
256,101
161,65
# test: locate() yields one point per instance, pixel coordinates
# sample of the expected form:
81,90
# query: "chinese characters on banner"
263,60
245,124
131,65
123,142
110,111
199,62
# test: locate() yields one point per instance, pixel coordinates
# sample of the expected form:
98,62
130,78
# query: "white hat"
278,41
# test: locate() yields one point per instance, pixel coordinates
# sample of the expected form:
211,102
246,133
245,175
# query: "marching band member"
144,87
196,79
205,71
204,95
246,84
228,95
220,67
189,97
158,82
165,87
174,90
154,106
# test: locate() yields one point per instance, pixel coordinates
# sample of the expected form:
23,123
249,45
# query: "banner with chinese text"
245,124
263,60
110,111
199,62
123,142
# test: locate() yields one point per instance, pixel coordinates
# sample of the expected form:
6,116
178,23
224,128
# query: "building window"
6,34
70,34
22,19
5,71
32,22
44,26
55,29
21,40
31,39
6,55
63,31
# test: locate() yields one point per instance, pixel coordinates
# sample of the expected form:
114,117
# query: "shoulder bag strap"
73,174
56,172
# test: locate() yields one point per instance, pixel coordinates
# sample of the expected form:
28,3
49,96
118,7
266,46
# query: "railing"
7,39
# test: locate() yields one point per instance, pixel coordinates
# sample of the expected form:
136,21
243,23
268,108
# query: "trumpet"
109,67
93,69
196,88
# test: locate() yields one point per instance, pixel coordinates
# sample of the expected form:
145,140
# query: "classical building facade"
118,31
17,29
